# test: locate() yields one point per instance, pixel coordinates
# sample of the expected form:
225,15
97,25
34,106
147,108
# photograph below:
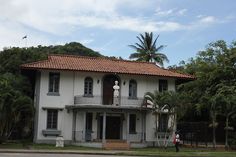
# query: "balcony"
97,100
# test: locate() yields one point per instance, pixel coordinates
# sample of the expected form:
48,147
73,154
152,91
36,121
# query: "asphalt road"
52,155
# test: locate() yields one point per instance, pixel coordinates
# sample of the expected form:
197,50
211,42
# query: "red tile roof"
95,64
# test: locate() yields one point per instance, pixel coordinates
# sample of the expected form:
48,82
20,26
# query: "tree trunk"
213,130
156,130
226,132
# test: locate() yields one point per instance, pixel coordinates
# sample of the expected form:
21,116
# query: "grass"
13,145
160,152
190,152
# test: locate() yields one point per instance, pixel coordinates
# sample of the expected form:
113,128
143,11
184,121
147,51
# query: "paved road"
52,155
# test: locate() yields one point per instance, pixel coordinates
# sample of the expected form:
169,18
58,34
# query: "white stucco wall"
66,97
72,84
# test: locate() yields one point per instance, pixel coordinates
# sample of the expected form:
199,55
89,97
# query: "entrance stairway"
116,145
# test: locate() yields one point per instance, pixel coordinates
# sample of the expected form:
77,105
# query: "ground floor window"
163,123
52,116
132,123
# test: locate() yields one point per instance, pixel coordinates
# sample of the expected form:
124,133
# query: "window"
163,123
163,85
132,123
52,119
89,121
54,80
132,89
88,86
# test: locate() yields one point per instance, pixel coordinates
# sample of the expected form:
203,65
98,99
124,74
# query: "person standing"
176,141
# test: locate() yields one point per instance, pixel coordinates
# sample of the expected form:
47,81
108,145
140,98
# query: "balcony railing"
80,136
137,137
97,100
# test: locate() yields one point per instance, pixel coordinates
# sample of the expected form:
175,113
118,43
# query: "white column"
84,130
74,126
104,128
143,127
127,127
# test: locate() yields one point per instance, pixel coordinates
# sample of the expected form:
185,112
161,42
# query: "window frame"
88,86
54,83
133,89
162,84
51,124
163,122
132,123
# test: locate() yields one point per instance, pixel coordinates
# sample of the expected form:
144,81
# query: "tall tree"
14,106
215,69
226,95
146,49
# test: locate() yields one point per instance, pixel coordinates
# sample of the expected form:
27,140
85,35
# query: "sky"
108,26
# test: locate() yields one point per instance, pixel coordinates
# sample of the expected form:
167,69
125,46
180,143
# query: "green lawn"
191,152
42,146
160,152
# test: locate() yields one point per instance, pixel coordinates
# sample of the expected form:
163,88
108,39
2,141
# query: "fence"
194,133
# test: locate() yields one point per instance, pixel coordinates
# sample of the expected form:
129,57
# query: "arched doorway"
108,83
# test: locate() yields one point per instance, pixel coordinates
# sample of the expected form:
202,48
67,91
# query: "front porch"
98,125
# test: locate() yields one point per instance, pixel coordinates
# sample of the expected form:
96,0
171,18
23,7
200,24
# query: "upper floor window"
132,89
52,119
88,86
163,85
54,80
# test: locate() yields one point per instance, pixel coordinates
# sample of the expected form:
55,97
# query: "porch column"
144,124
127,127
104,128
143,127
84,130
74,126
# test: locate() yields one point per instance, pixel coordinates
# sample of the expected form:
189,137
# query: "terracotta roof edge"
99,57
188,75
36,62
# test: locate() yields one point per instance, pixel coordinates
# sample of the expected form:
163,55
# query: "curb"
62,152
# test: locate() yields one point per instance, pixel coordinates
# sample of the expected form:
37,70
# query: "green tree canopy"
16,91
215,69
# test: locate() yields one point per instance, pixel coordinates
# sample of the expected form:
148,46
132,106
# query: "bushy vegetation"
16,108
213,94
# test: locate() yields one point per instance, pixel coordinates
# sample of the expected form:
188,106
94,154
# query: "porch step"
116,145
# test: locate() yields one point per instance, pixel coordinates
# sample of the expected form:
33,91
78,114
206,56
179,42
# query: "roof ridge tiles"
179,73
99,57
35,62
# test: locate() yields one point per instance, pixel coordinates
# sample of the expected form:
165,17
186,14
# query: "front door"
108,83
113,127
89,124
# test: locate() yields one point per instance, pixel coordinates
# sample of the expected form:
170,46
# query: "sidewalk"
44,151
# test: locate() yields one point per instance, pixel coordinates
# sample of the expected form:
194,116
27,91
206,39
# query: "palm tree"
164,103
147,50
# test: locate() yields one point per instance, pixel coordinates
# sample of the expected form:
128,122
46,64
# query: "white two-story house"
74,99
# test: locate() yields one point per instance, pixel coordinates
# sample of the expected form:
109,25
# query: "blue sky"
109,26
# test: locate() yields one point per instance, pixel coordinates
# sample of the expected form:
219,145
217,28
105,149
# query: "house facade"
74,98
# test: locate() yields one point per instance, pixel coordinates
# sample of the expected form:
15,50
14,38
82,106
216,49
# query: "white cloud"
170,12
182,11
208,19
164,12
44,18
86,41
61,17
